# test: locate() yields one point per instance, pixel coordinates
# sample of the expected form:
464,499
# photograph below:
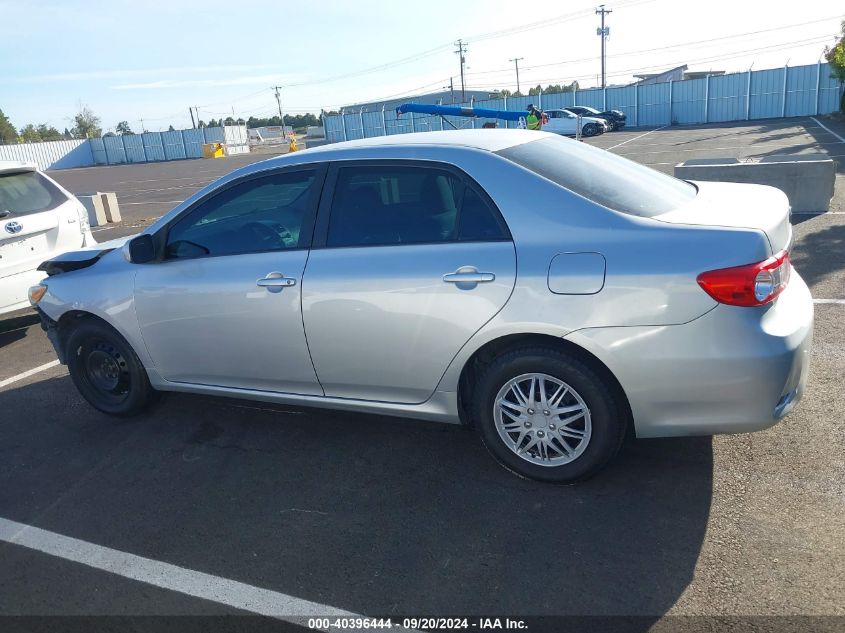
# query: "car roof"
16,166
488,140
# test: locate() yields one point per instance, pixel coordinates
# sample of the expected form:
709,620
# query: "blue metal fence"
152,146
758,94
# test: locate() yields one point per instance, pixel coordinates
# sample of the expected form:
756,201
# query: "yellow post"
292,144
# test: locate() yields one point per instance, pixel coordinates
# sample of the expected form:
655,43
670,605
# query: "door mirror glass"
140,249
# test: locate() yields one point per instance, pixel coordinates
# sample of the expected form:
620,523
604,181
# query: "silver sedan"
493,278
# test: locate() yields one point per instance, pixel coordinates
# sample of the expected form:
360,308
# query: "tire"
106,370
591,440
591,129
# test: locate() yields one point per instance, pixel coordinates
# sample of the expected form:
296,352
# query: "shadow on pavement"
820,255
378,516
14,328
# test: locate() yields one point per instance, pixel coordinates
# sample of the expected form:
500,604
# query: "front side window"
27,192
383,205
261,214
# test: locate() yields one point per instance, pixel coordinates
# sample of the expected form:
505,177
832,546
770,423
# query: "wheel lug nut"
530,411
551,427
540,434
546,413
528,425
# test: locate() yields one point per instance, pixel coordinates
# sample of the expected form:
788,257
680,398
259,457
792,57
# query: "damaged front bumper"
51,328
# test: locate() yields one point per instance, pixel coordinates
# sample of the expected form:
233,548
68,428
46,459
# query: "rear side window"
27,192
602,177
378,205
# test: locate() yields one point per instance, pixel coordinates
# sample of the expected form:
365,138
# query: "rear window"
27,192
598,175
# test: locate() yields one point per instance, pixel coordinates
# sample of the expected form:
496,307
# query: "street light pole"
516,64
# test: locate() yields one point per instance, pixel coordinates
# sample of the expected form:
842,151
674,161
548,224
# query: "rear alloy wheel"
106,370
548,417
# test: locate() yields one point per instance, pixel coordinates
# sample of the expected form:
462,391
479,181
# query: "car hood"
83,258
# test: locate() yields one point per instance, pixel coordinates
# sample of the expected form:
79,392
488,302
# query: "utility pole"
451,88
516,63
193,123
142,126
462,48
603,32
281,116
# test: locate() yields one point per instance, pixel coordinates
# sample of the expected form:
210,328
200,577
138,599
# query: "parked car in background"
38,220
381,276
615,118
565,123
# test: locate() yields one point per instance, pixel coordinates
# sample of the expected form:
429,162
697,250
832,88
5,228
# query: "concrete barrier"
111,207
93,203
102,207
807,180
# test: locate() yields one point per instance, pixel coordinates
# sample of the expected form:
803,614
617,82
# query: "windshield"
27,192
602,177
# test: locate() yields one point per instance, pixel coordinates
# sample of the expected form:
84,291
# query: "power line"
783,46
658,48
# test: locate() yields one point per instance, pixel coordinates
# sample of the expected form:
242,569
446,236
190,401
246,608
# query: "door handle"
468,275
276,281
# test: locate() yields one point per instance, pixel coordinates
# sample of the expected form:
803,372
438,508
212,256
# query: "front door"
415,260
222,308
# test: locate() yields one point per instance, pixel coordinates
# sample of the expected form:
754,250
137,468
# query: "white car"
566,123
38,220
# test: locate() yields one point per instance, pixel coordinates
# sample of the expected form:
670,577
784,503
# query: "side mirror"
140,249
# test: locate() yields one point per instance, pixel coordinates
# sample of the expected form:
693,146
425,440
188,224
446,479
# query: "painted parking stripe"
833,301
166,576
27,374
635,138
828,129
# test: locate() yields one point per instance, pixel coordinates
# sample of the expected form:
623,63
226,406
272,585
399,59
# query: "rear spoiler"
74,260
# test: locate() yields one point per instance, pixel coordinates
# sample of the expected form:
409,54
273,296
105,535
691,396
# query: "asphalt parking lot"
379,516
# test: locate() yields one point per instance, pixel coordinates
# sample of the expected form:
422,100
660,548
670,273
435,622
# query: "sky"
151,60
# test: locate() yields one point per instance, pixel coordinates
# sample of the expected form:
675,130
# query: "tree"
835,56
48,132
29,134
123,129
171,129
8,133
67,135
87,124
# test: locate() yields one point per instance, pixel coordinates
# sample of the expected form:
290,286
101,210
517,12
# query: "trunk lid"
28,234
735,205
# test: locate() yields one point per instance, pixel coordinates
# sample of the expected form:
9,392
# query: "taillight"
750,285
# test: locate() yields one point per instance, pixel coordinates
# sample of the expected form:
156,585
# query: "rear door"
560,122
410,260
36,219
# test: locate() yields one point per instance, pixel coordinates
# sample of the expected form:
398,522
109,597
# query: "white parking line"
166,576
834,301
636,137
828,129
27,374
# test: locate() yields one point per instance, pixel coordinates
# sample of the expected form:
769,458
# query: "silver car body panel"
397,343
383,324
201,317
